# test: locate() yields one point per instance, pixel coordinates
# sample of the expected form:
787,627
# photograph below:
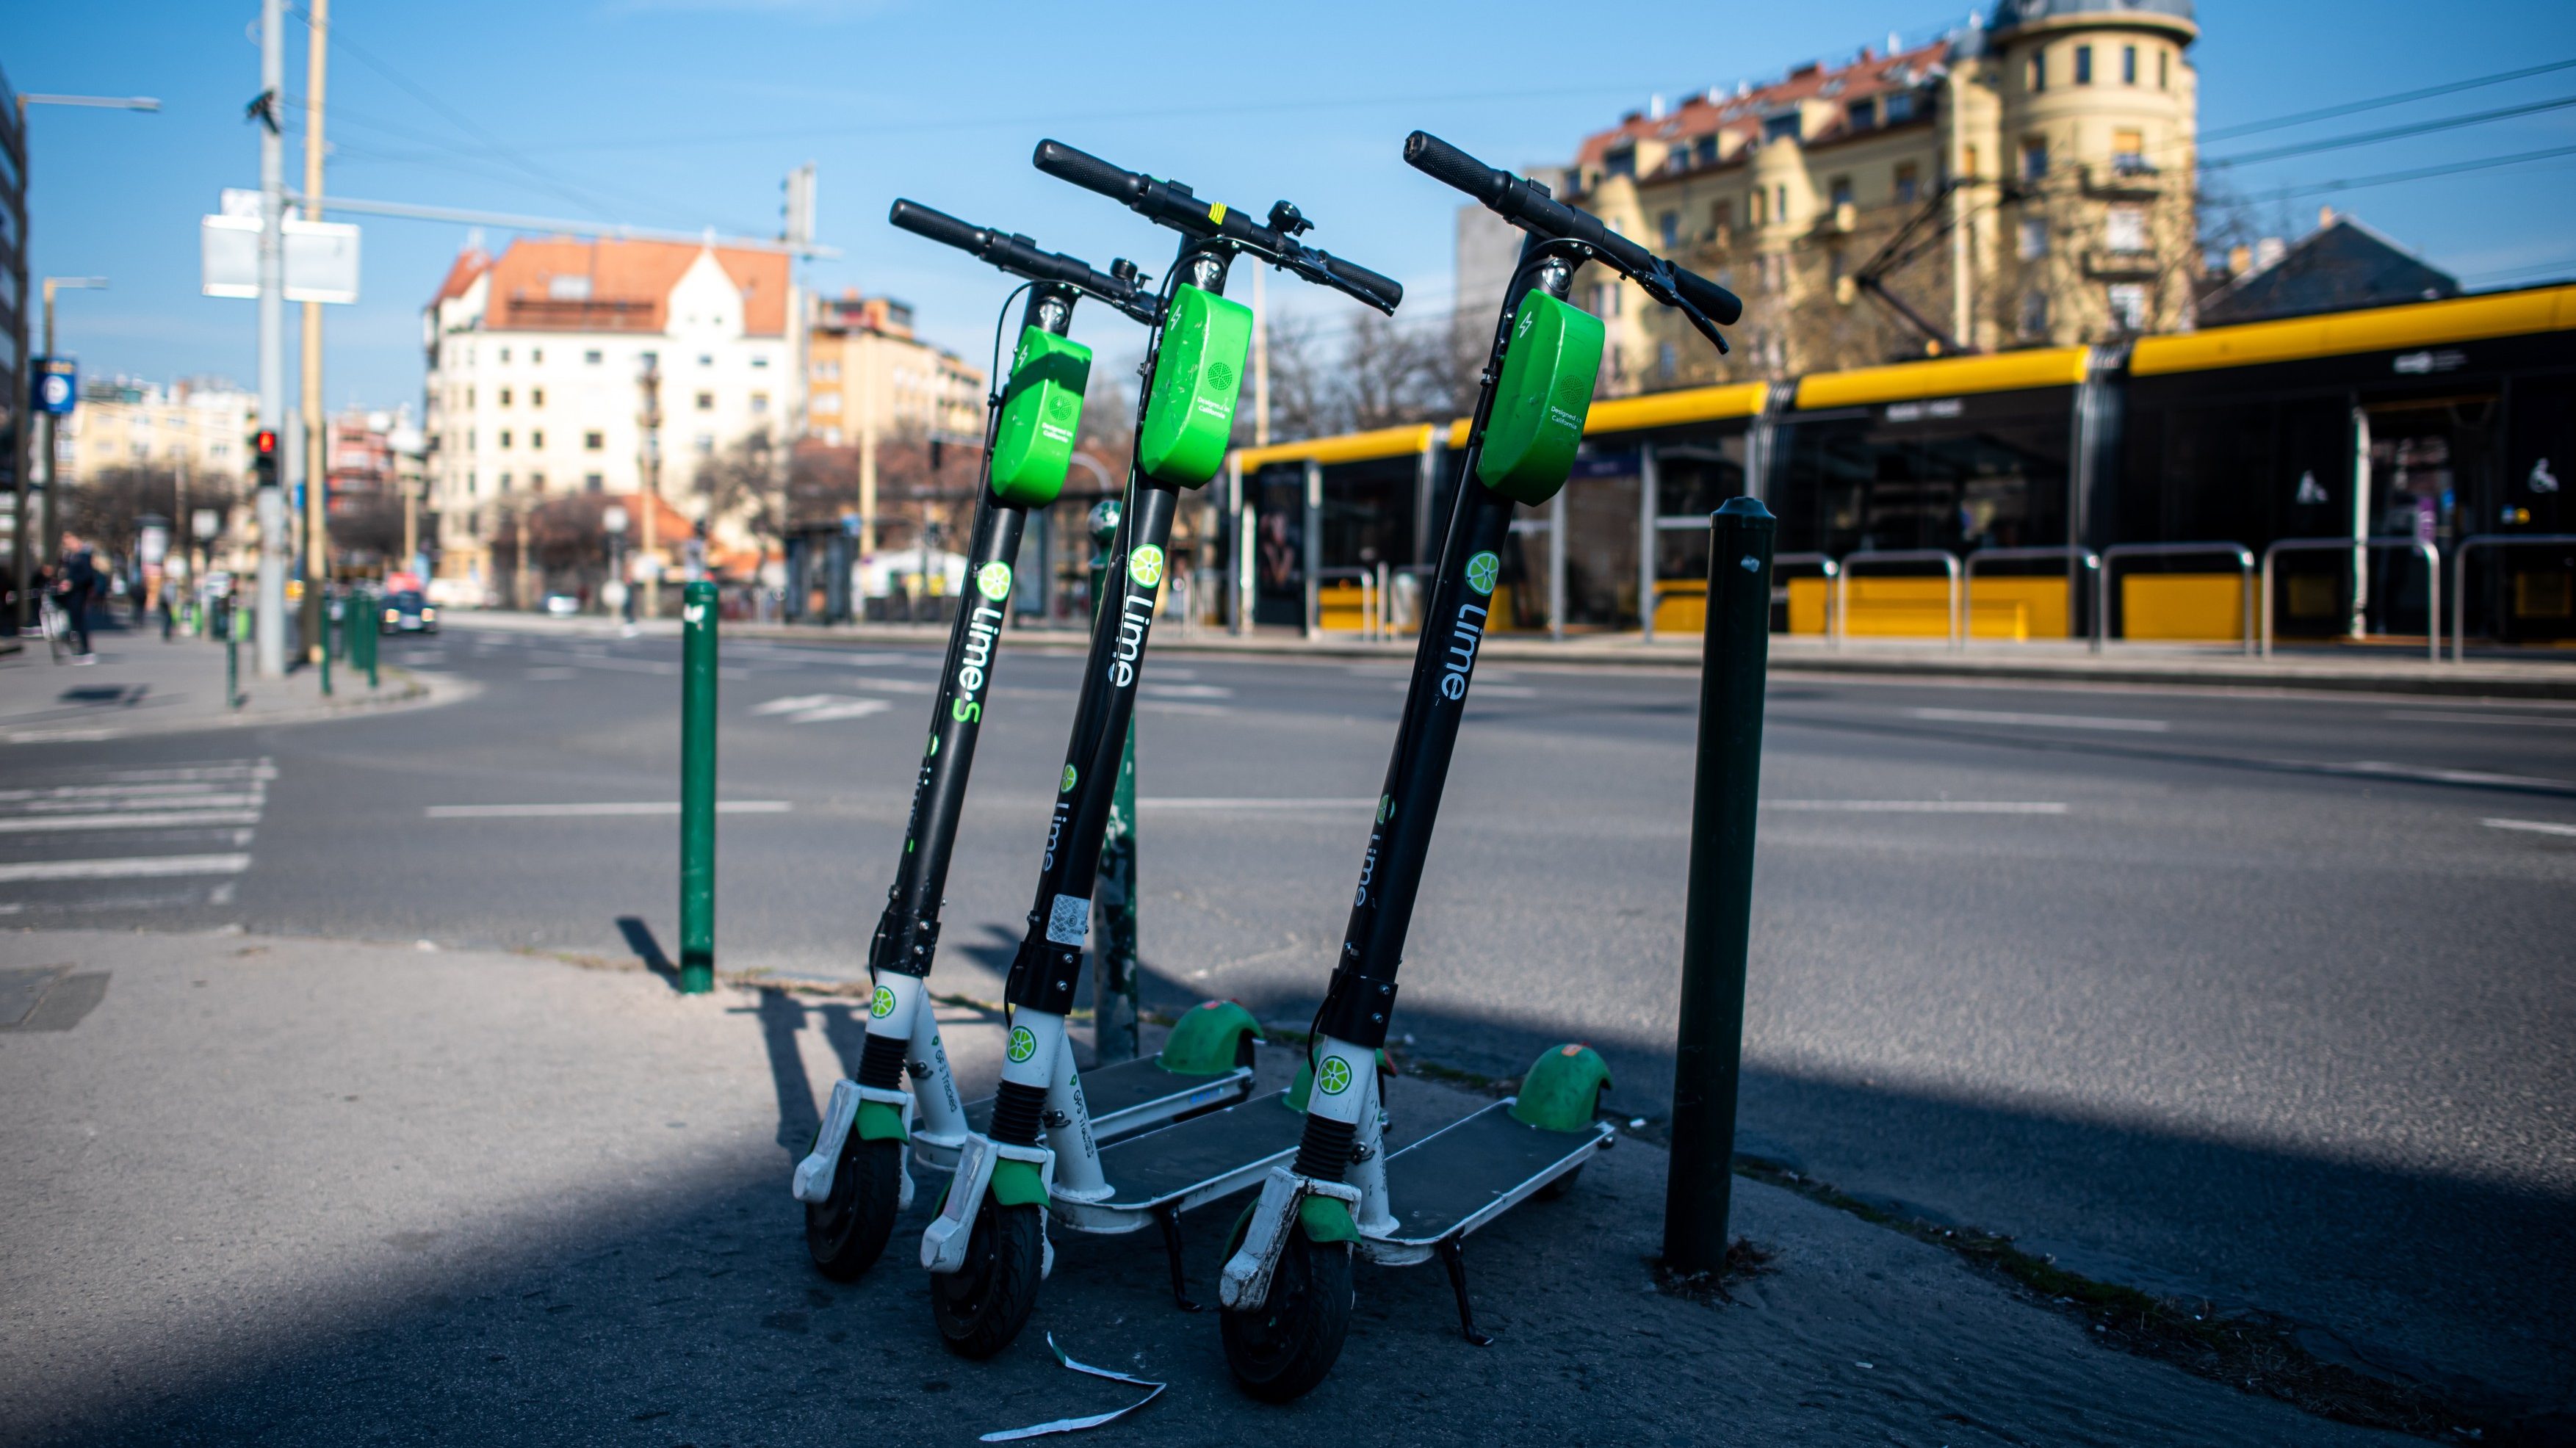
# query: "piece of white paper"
1076,1425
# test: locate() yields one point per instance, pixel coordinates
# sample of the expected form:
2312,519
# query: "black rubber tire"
846,1232
1284,1351
1560,1188
982,1306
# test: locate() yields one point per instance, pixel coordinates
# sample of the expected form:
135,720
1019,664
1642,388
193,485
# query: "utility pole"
649,496
49,535
269,658
317,425
1260,358
868,358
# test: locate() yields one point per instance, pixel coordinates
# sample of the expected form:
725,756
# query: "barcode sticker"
1069,922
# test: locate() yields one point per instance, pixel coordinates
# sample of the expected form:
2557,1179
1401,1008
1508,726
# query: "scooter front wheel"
1285,1349
983,1305
846,1232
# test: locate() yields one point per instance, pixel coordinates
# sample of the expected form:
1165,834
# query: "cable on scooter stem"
1169,203
1020,256
1528,205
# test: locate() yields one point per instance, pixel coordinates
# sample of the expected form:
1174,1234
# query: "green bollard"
232,657
698,788
373,633
1708,1057
1114,976
330,613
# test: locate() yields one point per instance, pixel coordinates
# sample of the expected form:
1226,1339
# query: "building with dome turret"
2025,181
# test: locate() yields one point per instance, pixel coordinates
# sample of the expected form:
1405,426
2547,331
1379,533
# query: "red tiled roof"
1708,112
470,263
629,285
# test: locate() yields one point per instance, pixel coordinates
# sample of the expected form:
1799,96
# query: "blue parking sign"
57,385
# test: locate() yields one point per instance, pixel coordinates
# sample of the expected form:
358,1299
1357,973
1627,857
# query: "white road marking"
1174,706
2537,827
2381,769
1217,803
2040,721
1920,806
549,673
251,800
156,819
898,686
2431,716
603,661
1185,691
821,708
105,791
125,869
59,736
595,810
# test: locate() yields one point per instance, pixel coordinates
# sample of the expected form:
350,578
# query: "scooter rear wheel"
983,1305
1283,1351
846,1232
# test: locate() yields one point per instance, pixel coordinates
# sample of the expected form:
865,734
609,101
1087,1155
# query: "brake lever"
1661,286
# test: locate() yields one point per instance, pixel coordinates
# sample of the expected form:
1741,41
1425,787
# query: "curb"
417,691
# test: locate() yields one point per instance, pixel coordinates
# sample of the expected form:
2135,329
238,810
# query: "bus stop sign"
57,385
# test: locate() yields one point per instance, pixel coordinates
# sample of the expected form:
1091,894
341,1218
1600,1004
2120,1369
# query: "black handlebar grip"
939,226
1447,164
1383,293
1088,171
1721,306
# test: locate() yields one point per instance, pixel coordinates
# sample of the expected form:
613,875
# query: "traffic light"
263,457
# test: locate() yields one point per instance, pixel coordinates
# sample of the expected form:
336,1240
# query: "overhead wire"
2326,113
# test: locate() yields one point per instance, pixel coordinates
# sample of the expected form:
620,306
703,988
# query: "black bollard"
1708,1059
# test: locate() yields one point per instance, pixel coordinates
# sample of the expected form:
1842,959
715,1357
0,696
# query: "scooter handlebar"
1021,257
1383,293
1089,172
1529,207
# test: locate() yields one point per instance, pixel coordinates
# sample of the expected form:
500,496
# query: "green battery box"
1190,417
1540,404
1041,409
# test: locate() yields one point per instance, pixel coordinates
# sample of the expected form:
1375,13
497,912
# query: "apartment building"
866,372
200,427
597,366
2025,180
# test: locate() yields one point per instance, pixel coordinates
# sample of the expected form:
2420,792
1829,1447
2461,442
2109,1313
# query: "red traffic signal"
263,443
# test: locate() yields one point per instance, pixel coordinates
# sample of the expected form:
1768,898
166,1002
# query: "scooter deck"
1475,1169
1198,1160
1125,1098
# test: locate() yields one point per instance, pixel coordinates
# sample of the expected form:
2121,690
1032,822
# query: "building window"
469,397
2034,159
705,443
592,482
1864,113
2039,70
2125,229
1908,182
505,439
827,371
1669,226
706,402
1968,163
1721,218
2129,153
2162,56
706,359
592,357
1761,206
1841,191
1705,152
537,438
505,482
2129,306
759,362
2034,238
1780,200
1622,162
536,354
593,441
536,397
2128,65
537,481
827,404
2034,314
2083,65
1900,107
505,392
1784,127
759,403
505,354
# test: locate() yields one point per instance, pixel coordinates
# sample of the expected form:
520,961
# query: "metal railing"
2460,580
2243,555
2433,579
1372,599
1832,571
1948,561
2073,555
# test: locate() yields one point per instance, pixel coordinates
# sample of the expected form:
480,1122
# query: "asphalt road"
2261,998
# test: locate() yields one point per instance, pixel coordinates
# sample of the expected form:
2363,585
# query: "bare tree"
748,483
104,510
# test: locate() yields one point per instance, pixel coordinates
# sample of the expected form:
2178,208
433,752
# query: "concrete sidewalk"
141,685
296,1191
2537,675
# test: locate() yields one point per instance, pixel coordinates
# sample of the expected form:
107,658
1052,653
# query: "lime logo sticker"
1334,1076
882,1004
1385,808
1483,572
1023,1045
1069,777
993,580
1145,565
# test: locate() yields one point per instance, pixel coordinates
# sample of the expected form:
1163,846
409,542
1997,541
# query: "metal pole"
1649,490
1709,1050
269,658
698,788
1114,983
317,427
1311,552
1556,567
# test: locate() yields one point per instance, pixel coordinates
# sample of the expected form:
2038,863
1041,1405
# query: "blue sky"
686,113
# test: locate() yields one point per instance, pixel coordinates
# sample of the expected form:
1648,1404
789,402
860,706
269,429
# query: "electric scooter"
855,1181
988,1249
1286,1290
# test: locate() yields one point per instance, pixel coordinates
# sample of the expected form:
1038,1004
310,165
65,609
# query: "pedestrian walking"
79,585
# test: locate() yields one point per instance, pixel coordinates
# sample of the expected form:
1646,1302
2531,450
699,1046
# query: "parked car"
562,605
408,612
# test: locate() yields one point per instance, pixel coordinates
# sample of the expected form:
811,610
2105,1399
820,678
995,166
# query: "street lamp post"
49,538
20,562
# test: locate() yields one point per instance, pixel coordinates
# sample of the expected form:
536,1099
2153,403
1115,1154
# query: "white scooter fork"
1037,1057
1345,1091
897,1010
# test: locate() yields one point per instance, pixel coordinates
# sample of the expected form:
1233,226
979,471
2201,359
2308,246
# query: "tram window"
1993,474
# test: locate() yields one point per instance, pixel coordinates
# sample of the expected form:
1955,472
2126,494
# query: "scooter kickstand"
1170,1216
1454,1258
